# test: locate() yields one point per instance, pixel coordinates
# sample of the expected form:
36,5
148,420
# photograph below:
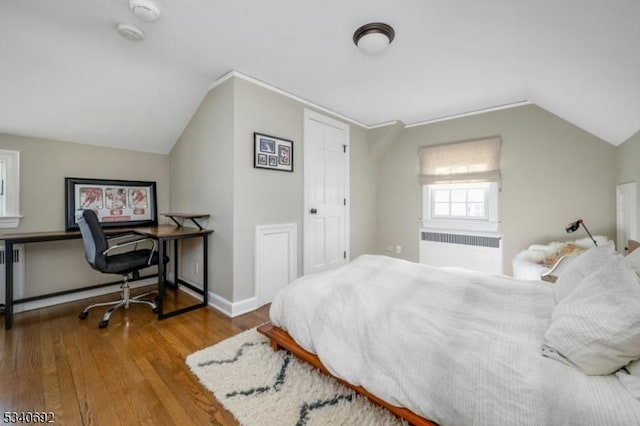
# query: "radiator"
18,273
476,252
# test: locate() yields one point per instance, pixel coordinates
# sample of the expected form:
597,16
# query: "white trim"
11,213
306,102
284,93
469,113
385,124
232,309
261,232
10,221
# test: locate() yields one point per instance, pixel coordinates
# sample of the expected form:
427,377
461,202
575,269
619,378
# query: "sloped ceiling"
66,74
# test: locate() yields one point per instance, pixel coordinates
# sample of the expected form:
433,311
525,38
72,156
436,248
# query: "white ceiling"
65,73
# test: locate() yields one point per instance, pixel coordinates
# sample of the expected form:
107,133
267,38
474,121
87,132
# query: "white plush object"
597,326
584,265
455,346
526,264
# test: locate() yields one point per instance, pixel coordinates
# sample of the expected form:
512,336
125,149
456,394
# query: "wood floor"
132,372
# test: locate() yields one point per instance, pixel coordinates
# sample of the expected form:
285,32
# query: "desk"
161,233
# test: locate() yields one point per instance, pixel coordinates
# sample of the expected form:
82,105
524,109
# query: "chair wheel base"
83,315
103,324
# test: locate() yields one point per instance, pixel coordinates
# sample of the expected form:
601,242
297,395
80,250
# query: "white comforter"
454,346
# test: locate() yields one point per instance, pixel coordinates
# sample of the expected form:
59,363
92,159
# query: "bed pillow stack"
596,323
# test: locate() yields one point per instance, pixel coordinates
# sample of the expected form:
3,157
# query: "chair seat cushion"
123,263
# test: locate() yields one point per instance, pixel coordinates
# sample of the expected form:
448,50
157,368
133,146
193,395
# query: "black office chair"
102,258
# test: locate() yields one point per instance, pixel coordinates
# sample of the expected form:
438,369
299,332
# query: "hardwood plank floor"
132,372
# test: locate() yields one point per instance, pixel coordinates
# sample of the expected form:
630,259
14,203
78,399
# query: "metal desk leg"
8,276
161,277
176,273
205,269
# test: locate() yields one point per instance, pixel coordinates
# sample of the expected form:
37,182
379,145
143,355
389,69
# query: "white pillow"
585,264
597,326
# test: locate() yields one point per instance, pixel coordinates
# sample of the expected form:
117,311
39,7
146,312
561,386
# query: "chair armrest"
125,235
134,242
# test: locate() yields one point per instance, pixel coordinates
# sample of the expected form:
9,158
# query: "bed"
451,346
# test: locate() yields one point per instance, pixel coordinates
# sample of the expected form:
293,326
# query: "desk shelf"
186,216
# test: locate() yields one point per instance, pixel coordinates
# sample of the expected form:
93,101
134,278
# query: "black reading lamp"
573,227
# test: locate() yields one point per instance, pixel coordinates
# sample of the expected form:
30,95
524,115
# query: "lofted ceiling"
65,73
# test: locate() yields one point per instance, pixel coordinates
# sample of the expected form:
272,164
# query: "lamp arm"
589,233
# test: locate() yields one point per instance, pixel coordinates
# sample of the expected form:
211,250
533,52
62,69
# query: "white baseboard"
72,297
232,309
220,304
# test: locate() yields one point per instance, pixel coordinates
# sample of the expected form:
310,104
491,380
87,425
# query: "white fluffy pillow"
587,263
597,326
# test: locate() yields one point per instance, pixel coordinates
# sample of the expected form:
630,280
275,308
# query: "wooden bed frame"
280,339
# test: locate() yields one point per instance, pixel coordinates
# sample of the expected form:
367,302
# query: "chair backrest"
95,242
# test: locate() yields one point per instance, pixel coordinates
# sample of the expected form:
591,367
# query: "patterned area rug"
262,387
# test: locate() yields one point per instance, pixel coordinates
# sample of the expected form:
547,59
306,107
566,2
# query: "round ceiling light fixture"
130,32
146,10
374,38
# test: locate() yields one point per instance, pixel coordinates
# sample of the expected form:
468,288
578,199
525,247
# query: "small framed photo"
270,152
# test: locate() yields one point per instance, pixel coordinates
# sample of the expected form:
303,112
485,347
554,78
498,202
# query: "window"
459,201
461,185
9,189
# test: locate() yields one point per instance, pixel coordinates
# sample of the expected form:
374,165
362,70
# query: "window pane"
458,195
458,209
476,195
476,210
441,195
441,209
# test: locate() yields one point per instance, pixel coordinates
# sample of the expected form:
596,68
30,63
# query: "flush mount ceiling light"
374,38
130,32
146,10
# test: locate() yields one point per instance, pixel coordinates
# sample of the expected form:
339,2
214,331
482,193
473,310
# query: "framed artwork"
270,152
117,203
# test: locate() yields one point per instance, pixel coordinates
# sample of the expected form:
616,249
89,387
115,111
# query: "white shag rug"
260,386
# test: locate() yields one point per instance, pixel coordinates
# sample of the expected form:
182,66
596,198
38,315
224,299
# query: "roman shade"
461,162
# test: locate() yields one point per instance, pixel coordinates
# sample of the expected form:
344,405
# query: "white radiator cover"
18,275
478,252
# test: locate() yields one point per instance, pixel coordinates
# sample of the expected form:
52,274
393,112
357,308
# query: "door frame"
619,212
313,115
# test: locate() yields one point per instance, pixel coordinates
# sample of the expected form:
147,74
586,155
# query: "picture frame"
270,152
117,203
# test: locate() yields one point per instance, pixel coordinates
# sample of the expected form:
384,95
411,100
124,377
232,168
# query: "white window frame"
491,223
10,185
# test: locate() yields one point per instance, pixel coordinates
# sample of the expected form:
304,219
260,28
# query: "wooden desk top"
168,231
57,235
161,231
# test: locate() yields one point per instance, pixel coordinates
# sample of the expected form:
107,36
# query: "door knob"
313,211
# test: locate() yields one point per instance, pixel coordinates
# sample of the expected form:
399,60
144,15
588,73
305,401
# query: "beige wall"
43,166
552,173
202,181
225,124
629,165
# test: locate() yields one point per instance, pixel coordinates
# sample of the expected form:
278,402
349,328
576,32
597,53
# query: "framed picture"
117,203
270,152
